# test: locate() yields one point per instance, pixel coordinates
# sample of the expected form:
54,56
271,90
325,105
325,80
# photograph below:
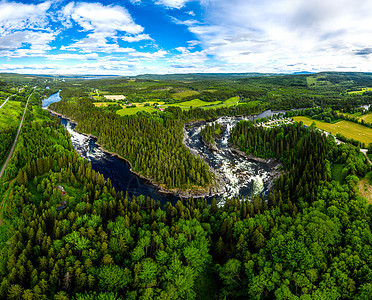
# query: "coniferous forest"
309,238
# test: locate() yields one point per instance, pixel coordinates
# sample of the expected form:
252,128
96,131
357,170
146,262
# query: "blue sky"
132,37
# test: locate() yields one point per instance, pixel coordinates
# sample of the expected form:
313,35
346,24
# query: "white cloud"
105,24
136,38
149,55
101,19
68,56
96,42
18,16
26,43
172,3
270,35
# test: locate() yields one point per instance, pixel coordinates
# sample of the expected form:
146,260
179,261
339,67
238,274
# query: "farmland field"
203,104
348,129
114,97
194,103
134,110
361,91
181,95
367,118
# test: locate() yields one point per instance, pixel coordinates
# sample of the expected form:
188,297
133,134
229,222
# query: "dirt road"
6,100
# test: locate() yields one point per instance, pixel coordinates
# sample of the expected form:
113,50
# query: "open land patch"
10,114
115,97
365,189
367,118
184,94
361,91
346,128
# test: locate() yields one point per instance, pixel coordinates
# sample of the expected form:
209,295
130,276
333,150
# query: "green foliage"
153,145
209,132
311,239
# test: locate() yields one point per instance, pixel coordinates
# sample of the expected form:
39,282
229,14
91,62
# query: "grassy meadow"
10,114
348,129
361,91
184,94
367,118
183,105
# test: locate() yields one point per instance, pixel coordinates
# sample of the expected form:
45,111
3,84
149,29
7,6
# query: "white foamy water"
82,144
242,177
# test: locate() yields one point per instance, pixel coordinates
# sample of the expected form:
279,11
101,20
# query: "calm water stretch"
243,177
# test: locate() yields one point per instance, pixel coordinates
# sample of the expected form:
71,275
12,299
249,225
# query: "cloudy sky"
131,37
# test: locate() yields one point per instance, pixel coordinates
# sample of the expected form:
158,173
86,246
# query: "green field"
10,114
361,91
184,94
203,104
195,103
367,118
134,110
348,129
183,105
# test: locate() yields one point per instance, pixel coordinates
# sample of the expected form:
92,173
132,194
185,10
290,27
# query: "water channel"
243,177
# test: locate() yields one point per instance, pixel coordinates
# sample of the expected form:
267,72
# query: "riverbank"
213,190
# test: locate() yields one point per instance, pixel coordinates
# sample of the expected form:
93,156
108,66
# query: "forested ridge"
107,246
307,155
152,143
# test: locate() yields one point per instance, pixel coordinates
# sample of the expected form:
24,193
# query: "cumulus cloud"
136,38
17,16
269,35
172,3
105,25
15,41
100,18
148,55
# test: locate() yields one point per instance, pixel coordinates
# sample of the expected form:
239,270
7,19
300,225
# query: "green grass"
10,114
348,129
134,110
183,105
203,104
355,115
361,91
251,103
232,100
367,118
184,94
195,103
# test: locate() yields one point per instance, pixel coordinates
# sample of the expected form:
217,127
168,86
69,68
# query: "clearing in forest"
361,91
367,118
184,94
114,97
10,114
348,129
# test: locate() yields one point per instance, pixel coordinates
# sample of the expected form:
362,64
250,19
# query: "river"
242,177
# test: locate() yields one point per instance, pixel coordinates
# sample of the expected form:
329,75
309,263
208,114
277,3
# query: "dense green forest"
209,132
106,245
152,143
310,239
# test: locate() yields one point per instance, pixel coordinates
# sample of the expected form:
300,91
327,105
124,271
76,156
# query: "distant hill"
202,76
